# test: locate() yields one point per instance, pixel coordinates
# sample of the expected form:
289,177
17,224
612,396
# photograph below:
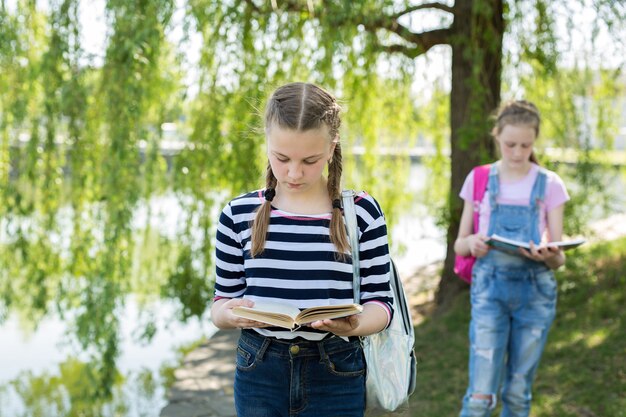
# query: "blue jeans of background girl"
512,310
299,378
513,305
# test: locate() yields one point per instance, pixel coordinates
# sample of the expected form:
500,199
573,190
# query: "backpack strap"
400,304
349,214
481,178
538,193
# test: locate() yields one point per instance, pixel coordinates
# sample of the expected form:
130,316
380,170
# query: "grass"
583,369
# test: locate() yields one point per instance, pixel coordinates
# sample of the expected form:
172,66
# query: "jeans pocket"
245,358
349,362
546,285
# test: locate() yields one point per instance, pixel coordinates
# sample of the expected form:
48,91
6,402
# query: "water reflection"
45,372
94,300
69,392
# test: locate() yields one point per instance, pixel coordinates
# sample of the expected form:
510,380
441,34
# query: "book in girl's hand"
290,317
510,245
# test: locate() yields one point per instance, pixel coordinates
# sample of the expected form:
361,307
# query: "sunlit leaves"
83,147
189,286
83,144
580,109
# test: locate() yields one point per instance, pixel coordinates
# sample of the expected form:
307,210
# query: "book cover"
510,245
290,317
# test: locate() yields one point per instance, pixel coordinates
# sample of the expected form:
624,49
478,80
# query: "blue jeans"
513,306
299,378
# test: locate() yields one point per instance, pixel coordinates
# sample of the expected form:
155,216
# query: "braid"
337,228
270,179
262,218
332,120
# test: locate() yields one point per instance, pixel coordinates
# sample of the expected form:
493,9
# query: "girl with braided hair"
513,296
288,243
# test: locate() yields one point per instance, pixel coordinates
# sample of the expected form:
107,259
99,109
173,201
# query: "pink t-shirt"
518,193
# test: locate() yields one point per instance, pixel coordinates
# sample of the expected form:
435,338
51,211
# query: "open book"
510,245
290,317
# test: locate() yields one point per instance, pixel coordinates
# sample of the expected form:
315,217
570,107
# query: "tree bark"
475,92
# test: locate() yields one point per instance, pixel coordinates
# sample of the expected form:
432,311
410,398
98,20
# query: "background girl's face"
298,158
516,145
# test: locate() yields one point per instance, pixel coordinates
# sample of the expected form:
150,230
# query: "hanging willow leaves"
90,142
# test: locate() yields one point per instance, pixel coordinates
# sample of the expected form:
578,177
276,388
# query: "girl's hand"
372,320
477,246
542,253
344,326
223,317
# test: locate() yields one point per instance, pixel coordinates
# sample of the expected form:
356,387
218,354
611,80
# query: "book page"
290,317
272,307
261,308
328,312
276,314
569,244
494,240
500,242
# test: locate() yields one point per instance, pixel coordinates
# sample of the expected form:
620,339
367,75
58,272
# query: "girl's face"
298,158
516,145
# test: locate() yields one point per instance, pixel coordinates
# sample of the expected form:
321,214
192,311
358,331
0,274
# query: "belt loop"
263,348
320,347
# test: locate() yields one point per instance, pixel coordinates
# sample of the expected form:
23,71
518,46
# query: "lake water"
41,353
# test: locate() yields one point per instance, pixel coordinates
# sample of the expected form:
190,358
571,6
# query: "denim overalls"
513,305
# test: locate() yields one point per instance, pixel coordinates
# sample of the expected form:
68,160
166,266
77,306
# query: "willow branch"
423,42
437,6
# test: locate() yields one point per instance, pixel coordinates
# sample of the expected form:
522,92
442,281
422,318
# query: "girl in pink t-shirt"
513,296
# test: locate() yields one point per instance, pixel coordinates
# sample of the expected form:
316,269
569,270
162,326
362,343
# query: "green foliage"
588,335
433,119
578,99
192,289
83,148
80,147
579,120
267,49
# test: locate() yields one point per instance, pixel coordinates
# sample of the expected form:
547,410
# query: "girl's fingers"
336,325
535,250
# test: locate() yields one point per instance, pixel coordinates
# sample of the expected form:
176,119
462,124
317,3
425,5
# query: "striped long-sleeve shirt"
299,265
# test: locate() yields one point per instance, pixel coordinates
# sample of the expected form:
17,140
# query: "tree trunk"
475,93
